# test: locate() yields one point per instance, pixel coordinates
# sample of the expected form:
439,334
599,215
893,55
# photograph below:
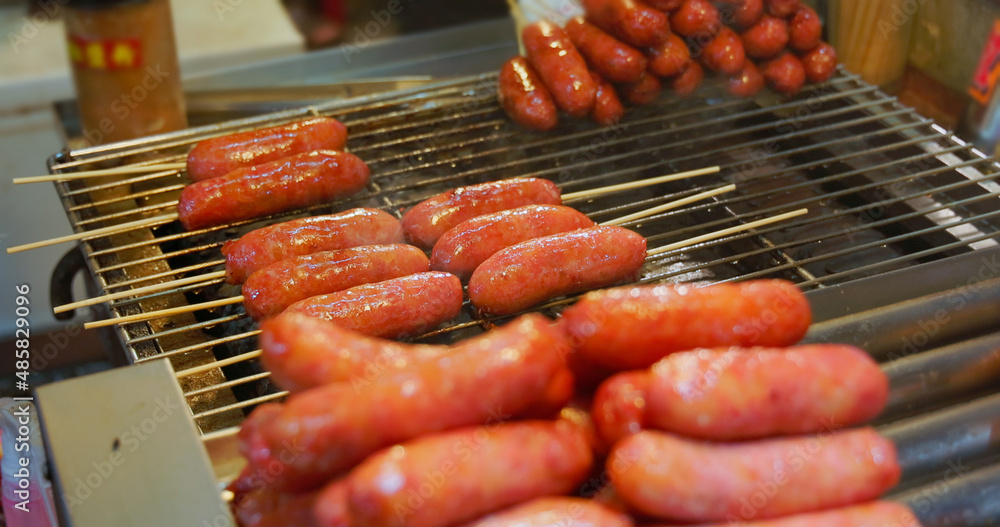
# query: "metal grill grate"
886,188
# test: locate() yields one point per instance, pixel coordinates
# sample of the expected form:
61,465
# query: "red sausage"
314,435
560,66
303,352
269,508
668,477
633,327
608,108
278,186
271,289
524,97
473,471
533,271
874,514
785,74
766,38
695,18
630,20
556,511
782,8
688,81
737,393
609,57
426,221
644,91
465,247
396,308
221,155
724,53
331,508
619,408
264,246
748,82
820,63
670,57
747,13
805,30
665,5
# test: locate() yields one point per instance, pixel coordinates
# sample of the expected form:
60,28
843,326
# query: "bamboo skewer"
519,23
725,232
638,184
671,205
218,364
141,291
114,229
84,174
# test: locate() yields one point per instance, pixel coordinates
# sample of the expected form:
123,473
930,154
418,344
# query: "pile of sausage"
657,404
627,49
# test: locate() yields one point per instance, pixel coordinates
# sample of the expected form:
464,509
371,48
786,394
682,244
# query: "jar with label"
125,68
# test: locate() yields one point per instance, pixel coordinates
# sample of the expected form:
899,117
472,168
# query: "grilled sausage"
396,308
688,81
221,155
331,508
269,508
630,20
874,514
724,53
737,393
665,5
466,246
766,38
278,186
748,82
303,352
533,271
611,58
785,74
428,220
524,97
747,13
644,91
470,472
555,511
608,108
560,66
820,63
670,57
271,289
782,8
606,328
314,435
680,479
264,246
805,30
696,18
619,408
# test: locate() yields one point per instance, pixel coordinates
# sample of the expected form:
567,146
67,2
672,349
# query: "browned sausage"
644,91
611,58
782,8
766,38
442,479
269,508
874,514
785,74
331,507
820,63
619,408
314,435
688,81
630,20
696,18
668,477
747,13
670,57
605,330
608,108
724,53
665,5
556,511
805,30
748,82
524,97
560,66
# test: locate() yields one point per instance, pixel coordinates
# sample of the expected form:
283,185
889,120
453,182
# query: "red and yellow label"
105,54
988,71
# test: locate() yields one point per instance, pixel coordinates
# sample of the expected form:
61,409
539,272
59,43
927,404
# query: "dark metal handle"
61,285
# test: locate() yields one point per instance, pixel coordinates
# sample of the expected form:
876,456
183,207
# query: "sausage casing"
644,91
724,53
805,30
785,74
766,38
611,58
619,408
560,66
524,97
533,271
688,81
633,327
273,288
630,20
466,246
555,511
696,19
820,63
874,514
749,81
608,108
670,57
219,156
278,186
261,247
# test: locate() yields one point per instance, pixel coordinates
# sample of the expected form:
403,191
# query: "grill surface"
886,188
